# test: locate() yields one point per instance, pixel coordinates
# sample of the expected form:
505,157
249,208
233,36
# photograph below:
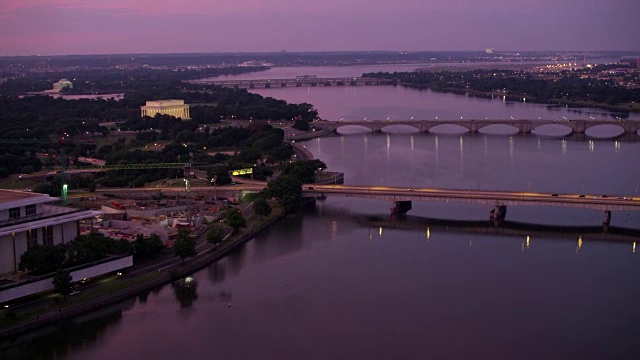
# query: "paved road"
598,202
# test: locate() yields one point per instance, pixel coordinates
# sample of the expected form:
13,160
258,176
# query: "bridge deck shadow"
505,228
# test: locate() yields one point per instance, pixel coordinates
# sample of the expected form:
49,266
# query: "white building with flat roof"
173,107
27,219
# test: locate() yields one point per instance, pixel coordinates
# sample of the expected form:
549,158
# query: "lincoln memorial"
171,107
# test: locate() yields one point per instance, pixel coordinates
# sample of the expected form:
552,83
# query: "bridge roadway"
297,82
499,199
473,125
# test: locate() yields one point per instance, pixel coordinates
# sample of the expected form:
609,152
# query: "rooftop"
167,102
51,215
12,198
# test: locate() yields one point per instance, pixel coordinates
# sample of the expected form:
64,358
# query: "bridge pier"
607,218
525,127
579,126
496,215
473,128
400,207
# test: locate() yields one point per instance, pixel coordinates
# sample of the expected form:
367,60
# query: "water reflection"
64,338
217,272
480,161
509,229
185,291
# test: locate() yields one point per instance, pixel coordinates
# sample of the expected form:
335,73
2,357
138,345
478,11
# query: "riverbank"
625,108
125,287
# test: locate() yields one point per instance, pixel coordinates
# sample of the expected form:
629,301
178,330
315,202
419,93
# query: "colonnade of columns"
179,112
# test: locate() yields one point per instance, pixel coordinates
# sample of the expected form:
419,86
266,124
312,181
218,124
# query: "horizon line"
283,52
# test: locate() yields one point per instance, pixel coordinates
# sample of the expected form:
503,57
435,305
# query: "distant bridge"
402,198
473,125
299,81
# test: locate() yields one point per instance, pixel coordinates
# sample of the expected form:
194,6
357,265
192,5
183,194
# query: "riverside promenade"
144,277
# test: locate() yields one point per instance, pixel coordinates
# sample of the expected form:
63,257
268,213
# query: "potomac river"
344,280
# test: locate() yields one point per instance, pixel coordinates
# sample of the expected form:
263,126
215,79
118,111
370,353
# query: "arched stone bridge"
523,126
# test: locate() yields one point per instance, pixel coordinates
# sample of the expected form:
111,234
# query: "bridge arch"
400,128
448,128
551,129
605,131
540,127
352,129
499,129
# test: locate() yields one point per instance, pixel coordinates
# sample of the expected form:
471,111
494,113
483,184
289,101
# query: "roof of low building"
11,198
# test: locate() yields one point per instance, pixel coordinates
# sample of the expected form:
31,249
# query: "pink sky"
159,26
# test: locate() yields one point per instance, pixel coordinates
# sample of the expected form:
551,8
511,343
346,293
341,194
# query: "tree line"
565,86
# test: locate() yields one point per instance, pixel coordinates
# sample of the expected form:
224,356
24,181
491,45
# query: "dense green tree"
221,174
215,234
580,86
40,259
287,189
147,247
301,125
185,245
62,283
305,171
233,218
261,207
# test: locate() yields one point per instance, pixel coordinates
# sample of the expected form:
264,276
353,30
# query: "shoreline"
517,98
157,277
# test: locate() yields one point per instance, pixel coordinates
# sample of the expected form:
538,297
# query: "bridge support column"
525,127
496,215
579,126
473,128
607,218
400,207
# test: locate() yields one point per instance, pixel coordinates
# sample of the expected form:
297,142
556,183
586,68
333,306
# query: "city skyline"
57,27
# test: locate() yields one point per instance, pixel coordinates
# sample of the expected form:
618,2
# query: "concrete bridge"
473,125
401,198
299,81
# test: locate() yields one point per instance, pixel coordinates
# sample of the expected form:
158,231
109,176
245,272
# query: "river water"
399,103
343,279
